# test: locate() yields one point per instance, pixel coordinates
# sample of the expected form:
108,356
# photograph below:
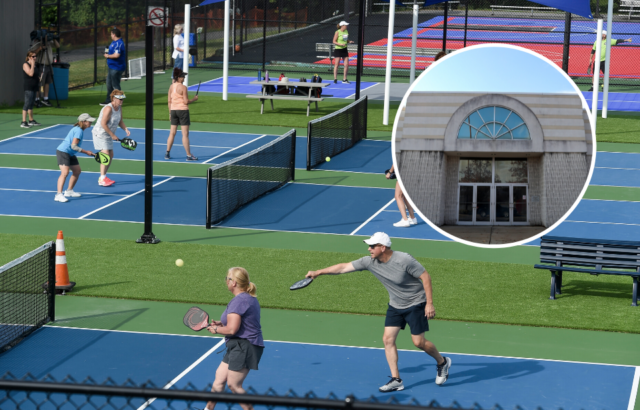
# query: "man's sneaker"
167,156
404,223
413,221
395,384
24,124
105,182
37,104
192,158
345,82
60,198
443,371
46,103
335,81
69,193
34,123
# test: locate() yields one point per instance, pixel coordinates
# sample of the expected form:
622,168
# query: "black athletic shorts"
66,159
340,53
180,117
413,315
241,354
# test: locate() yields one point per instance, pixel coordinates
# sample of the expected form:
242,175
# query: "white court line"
372,216
139,143
94,172
614,186
240,146
122,199
634,389
42,190
627,169
185,371
602,223
605,200
345,186
353,95
22,135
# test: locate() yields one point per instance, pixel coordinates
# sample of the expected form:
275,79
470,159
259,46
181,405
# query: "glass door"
474,204
520,208
510,206
503,204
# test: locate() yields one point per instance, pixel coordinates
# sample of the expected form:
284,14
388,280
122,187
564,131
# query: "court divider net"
242,180
27,294
337,132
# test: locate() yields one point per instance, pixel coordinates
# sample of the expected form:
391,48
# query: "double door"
493,204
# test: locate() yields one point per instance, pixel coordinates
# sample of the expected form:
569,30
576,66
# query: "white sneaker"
443,371
70,194
394,384
404,223
60,198
413,221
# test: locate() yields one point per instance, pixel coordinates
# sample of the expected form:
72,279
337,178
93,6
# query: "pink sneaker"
109,181
105,182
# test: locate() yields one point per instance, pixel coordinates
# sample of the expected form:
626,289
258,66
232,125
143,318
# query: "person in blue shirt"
117,63
66,154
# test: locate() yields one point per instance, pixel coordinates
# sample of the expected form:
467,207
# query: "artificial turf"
489,292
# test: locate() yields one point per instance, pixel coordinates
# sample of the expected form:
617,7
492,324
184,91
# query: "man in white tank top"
104,132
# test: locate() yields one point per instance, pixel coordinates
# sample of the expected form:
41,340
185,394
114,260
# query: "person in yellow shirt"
340,41
603,52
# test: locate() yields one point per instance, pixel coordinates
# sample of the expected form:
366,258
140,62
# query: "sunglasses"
373,246
228,279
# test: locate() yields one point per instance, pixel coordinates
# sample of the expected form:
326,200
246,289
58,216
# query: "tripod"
44,41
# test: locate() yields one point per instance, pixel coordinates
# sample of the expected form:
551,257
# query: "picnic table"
266,95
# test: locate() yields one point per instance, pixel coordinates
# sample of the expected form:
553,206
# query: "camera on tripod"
43,35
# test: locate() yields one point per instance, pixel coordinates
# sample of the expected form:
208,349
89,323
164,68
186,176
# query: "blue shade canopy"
206,2
578,7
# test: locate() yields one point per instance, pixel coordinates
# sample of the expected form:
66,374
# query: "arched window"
495,123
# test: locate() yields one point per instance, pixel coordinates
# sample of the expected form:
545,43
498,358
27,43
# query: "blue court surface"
368,156
343,370
617,101
242,85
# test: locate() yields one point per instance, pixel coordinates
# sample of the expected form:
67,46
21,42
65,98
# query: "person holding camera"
30,90
42,44
117,63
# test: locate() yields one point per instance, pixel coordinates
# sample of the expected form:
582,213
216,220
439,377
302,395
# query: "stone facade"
428,151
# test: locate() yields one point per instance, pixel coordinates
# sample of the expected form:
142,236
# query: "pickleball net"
242,180
337,132
27,292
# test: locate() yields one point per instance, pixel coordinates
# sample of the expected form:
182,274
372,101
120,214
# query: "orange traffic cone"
62,272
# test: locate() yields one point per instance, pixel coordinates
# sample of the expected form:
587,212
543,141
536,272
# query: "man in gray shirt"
410,302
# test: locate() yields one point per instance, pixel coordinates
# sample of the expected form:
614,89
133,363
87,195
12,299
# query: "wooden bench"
397,51
264,95
596,257
521,8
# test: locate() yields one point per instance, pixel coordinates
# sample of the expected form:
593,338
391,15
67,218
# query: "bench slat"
592,254
603,247
598,271
590,261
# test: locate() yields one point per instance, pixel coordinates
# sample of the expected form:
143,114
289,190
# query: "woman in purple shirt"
240,324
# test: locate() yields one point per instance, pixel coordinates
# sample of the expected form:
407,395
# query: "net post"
444,31
366,110
51,283
209,198
360,61
309,146
293,155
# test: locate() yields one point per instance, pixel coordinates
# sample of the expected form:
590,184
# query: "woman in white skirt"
104,132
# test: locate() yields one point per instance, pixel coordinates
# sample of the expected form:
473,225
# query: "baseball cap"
85,117
379,238
343,23
604,32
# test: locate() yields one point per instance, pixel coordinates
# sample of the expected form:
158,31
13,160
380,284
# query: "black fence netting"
337,132
27,292
295,36
239,181
47,393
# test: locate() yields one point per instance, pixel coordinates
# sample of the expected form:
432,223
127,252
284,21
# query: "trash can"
192,48
61,80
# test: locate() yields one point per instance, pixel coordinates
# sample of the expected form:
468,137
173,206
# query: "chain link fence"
295,36
47,393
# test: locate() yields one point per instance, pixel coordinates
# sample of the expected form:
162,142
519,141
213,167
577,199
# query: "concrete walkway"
492,235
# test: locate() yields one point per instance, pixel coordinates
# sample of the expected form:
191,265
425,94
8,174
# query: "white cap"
85,117
379,238
343,23
604,32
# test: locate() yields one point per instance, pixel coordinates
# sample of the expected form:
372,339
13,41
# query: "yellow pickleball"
179,262
327,159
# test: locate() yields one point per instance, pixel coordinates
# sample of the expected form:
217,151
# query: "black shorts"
413,315
180,117
241,354
340,53
66,159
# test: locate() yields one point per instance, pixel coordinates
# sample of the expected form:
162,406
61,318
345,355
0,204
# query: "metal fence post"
567,42
95,41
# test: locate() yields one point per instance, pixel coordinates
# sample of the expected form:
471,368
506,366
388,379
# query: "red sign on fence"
157,17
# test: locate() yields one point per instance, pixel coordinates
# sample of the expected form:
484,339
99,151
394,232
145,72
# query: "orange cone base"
66,288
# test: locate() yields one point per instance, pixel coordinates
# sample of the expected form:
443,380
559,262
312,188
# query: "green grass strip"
613,193
489,292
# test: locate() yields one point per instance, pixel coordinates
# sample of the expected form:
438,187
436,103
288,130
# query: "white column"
387,77
225,54
187,31
607,62
596,75
414,43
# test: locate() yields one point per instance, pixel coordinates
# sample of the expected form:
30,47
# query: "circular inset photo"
493,145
